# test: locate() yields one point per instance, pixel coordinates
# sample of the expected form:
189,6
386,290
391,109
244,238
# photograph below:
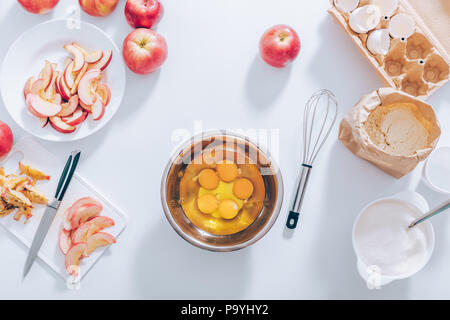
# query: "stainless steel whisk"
315,133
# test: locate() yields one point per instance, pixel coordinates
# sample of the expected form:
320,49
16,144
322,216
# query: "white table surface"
214,74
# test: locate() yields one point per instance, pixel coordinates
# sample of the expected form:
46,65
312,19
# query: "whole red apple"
99,8
38,6
144,51
279,46
143,13
6,139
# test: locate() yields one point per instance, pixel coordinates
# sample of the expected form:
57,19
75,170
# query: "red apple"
143,13
38,6
279,46
99,8
6,139
144,51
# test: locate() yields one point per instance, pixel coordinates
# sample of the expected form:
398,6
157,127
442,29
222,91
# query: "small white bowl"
437,164
372,276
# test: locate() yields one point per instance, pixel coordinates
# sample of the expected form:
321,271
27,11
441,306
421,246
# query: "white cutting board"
32,153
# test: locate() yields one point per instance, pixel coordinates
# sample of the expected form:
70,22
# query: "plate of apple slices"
66,87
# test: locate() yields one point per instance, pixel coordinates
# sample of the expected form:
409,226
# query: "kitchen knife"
51,209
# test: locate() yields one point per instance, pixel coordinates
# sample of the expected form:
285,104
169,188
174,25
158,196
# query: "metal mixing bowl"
170,192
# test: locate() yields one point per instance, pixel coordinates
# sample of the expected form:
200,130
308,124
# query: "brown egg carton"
418,65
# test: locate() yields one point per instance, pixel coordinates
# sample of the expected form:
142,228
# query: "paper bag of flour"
392,130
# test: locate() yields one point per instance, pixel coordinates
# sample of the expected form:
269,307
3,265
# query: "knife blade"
52,208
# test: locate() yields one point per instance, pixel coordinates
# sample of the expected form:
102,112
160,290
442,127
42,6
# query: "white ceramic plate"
45,41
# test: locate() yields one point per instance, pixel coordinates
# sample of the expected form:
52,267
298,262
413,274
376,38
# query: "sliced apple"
98,109
78,57
57,99
46,74
104,92
64,90
28,85
69,108
65,241
94,56
38,87
73,257
42,107
69,75
58,79
60,126
30,107
78,117
87,229
81,48
88,86
98,240
104,61
81,203
43,122
86,107
83,210
67,225
51,90
78,78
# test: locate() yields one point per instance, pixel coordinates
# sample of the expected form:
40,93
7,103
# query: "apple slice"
78,78
69,108
64,90
73,257
65,241
85,201
57,99
81,48
42,107
43,121
51,90
86,107
104,61
83,210
67,225
60,126
69,75
28,85
98,109
98,240
38,87
104,92
78,57
87,229
30,107
88,86
78,117
94,56
46,74
58,79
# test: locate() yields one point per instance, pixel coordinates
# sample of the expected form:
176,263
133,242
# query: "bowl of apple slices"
74,92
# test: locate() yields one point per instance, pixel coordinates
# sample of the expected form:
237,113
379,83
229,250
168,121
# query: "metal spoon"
440,208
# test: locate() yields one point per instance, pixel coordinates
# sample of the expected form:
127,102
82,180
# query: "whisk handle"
292,220
294,214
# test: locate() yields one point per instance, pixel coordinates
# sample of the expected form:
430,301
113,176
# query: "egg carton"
417,65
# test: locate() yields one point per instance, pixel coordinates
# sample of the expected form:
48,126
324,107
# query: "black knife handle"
67,174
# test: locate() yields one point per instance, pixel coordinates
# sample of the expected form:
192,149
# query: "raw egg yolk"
228,209
243,189
208,179
207,203
227,170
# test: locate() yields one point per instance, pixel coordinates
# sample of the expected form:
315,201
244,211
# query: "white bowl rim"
426,169
431,243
